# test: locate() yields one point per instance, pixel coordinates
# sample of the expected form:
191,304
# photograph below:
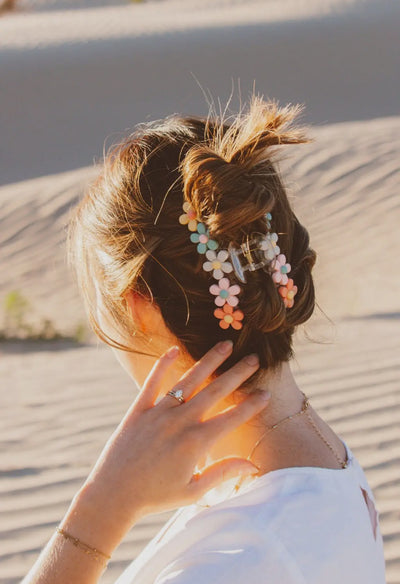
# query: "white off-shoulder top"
297,525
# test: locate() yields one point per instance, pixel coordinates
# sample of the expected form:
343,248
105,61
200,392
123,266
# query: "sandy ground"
58,401
64,405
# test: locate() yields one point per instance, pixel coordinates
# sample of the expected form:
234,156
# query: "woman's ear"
133,303
145,314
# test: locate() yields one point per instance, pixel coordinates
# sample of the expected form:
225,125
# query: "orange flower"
228,316
288,292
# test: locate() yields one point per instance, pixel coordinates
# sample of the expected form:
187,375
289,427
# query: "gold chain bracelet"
91,551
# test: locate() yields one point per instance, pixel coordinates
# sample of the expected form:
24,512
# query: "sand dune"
61,409
70,79
344,186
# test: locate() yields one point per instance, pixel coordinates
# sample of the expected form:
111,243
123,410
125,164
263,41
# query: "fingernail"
224,346
252,359
254,469
172,352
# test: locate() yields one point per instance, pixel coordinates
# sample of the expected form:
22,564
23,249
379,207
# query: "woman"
186,247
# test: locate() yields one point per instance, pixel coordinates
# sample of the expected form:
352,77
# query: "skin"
149,462
294,443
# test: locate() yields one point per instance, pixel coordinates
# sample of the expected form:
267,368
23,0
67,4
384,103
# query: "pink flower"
225,293
281,268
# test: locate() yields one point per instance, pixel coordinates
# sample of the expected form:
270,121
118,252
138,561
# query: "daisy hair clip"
256,252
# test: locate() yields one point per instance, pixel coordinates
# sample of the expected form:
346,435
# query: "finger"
234,416
218,472
151,386
223,385
202,369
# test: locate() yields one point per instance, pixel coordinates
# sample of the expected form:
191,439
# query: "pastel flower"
202,238
229,317
273,237
189,217
268,248
225,293
281,268
218,263
288,292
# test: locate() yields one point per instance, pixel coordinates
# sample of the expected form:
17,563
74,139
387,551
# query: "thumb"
220,471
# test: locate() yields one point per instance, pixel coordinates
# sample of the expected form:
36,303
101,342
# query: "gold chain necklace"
304,409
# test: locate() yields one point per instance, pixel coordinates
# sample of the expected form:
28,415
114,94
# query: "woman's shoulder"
253,535
270,499
219,545
279,525
291,527
224,544
278,491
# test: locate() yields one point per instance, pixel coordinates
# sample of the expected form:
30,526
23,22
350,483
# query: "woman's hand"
148,463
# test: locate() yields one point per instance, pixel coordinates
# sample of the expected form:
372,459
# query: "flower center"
283,270
224,293
191,214
216,265
228,318
203,238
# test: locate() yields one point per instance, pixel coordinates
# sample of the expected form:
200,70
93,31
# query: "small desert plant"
47,330
16,307
80,333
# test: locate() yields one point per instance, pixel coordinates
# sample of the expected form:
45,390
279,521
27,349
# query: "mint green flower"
202,238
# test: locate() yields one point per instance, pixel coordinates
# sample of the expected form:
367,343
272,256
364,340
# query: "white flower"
273,238
217,263
269,248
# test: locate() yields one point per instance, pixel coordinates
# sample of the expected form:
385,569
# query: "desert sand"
61,401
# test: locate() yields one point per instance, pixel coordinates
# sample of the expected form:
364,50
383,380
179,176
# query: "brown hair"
129,215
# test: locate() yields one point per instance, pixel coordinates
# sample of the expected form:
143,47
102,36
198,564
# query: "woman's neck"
286,399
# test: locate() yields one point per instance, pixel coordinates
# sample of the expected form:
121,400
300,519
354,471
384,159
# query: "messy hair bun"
228,173
232,183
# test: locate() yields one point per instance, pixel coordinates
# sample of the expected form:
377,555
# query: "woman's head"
125,239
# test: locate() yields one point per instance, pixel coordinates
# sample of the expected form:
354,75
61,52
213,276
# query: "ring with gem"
177,394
